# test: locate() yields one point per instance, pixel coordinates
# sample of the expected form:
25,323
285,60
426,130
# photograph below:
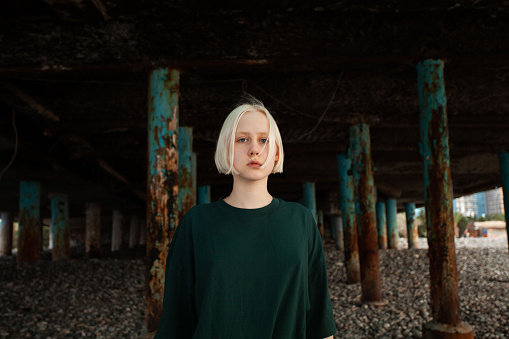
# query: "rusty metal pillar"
438,198
411,227
60,229
186,185
381,225
503,158
319,222
309,198
347,206
162,181
365,215
6,234
117,231
392,224
203,194
93,230
134,231
29,231
337,227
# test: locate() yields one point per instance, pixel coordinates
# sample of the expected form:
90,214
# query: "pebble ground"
104,298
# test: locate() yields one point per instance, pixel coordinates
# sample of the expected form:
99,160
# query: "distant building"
480,204
487,229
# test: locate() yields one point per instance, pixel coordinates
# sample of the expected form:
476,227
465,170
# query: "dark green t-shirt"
236,273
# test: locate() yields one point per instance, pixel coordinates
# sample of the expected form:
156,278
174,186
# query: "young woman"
249,265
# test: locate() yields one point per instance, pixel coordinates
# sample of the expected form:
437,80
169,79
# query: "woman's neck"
249,195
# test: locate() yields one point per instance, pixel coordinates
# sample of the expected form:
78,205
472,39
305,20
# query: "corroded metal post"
60,229
93,230
503,158
319,222
6,234
162,181
204,194
365,215
29,221
347,206
392,224
186,185
411,227
337,227
438,198
381,225
117,233
310,198
134,231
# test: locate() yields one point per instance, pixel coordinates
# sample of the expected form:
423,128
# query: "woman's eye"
263,141
242,139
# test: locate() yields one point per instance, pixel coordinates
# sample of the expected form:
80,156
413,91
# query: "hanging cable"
15,145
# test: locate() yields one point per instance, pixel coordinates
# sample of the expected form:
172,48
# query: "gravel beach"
104,298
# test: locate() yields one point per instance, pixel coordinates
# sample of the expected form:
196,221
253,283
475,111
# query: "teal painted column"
337,230
162,181
392,224
439,207
60,229
347,206
381,225
411,227
29,231
320,224
204,194
6,229
186,172
504,173
365,214
310,198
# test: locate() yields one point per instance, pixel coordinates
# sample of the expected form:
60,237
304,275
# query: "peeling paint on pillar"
203,194
347,206
411,227
504,173
187,193
438,198
381,225
162,179
6,229
29,221
392,224
60,230
337,229
365,215
93,230
309,198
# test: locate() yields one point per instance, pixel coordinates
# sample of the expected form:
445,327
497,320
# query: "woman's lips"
254,164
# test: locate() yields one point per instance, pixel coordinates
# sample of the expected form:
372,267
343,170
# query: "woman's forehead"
253,121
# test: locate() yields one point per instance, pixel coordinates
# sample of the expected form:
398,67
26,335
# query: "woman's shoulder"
293,208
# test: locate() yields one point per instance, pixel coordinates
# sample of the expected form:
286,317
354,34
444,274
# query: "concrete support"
411,227
392,224
347,206
438,198
134,231
204,194
29,232
381,225
337,229
365,215
310,198
143,232
93,230
117,233
6,230
504,173
186,171
60,228
162,181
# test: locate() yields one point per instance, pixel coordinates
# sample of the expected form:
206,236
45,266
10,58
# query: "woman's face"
251,135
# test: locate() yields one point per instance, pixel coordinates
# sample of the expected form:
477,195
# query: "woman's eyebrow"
257,133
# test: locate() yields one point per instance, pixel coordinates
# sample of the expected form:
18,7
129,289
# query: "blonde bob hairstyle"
226,141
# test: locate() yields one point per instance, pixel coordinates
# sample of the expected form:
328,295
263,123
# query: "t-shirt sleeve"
320,318
178,318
